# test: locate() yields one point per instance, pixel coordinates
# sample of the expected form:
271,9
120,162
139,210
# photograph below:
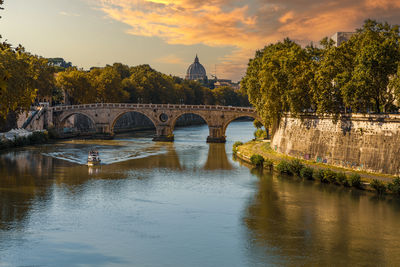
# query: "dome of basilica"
196,71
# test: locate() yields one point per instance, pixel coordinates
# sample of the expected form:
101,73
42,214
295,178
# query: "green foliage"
307,173
257,124
319,175
269,164
226,95
394,186
141,84
355,181
296,166
235,146
277,80
260,133
22,77
329,176
360,75
341,179
77,86
284,167
257,160
378,186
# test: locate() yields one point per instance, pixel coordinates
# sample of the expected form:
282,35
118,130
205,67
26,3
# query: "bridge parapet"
158,106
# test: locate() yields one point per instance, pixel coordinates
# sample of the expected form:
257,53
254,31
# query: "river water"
187,203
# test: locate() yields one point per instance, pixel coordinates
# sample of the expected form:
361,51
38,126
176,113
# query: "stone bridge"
164,117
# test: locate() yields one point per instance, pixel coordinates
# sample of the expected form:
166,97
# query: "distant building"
222,82
196,71
341,37
59,62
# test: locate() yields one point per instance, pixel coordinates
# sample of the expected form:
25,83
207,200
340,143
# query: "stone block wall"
362,142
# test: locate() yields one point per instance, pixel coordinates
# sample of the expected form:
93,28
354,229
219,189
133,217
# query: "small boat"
93,158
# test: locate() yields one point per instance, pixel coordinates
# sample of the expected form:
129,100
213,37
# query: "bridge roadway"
164,117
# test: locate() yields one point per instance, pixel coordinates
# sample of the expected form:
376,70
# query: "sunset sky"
167,34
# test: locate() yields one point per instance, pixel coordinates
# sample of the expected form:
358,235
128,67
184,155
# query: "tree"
377,53
19,91
43,76
226,95
394,84
332,69
277,81
77,86
108,84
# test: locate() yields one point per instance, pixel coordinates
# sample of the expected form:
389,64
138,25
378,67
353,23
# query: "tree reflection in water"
293,222
27,176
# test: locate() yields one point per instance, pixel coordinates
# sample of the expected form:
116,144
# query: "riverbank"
370,181
24,139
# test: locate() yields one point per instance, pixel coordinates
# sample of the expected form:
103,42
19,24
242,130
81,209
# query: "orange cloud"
172,59
244,26
286,17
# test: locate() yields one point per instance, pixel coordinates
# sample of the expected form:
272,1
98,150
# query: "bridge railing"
158,106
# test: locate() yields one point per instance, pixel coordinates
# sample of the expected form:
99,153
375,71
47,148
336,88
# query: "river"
185,203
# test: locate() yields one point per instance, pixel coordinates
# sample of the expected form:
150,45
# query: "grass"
264,149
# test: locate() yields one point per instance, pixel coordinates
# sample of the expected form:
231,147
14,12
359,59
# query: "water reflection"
29,175
180,204
217,158
299,223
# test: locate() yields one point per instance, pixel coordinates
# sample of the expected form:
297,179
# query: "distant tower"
341,37
196,71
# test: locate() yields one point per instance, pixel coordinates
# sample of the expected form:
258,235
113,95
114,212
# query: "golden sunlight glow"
247,26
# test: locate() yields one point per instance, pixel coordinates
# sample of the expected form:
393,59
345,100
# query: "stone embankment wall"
362,142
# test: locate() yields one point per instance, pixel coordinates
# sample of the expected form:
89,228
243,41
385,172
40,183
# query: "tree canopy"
23,77
140,84
360,75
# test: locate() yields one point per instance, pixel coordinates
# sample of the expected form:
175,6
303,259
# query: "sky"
167,34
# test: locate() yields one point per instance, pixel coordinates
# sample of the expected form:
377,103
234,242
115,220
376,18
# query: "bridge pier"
164,133
217,134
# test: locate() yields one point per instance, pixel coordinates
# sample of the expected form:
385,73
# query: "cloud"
171,59
244,25
63,13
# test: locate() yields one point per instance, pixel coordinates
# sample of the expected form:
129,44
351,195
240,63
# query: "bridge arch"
65,116
122,113
226,123
175,119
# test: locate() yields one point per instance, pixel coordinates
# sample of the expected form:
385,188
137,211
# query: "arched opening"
77,124
191,126
133,123
240,129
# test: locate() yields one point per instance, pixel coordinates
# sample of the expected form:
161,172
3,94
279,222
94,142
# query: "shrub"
296,166
269,164
319,175
284,167
341,178
260,133
355,180
379,186
39,137
329,176
394,186
257,160
235,146
307,173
